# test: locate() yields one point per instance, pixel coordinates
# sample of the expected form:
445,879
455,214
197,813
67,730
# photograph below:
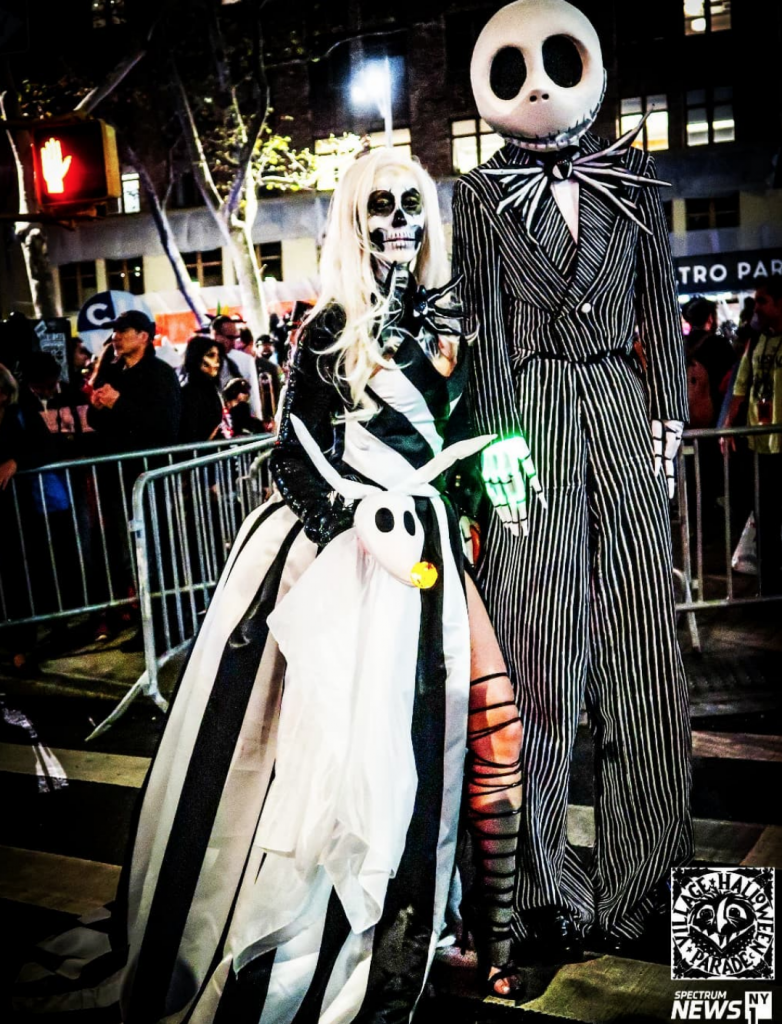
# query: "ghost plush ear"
386,522
537,73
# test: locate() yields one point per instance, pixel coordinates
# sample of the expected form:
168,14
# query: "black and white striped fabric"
198,872
584,608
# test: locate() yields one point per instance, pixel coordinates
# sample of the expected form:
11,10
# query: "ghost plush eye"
384,520
411,201
562,61
508,72
381,203
409,523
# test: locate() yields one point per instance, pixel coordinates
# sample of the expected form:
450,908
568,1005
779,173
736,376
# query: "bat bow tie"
604,171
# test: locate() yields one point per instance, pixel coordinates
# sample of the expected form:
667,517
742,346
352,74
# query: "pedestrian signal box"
75,164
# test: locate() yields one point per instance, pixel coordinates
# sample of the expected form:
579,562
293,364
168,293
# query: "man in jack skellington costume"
563,245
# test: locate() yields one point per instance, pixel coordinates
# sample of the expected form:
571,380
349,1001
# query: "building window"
722,212
270,259
108,12
78,282
131,193
701,16
472,143
654,135
205,268
710,116
126,275
334,155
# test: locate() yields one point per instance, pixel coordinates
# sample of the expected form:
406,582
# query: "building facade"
704,70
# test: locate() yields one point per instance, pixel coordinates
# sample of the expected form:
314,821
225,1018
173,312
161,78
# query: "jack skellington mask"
537,73
395,217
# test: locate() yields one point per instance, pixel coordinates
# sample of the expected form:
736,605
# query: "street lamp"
372,86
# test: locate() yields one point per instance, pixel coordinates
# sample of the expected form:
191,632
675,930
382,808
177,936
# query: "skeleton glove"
505,466
666,438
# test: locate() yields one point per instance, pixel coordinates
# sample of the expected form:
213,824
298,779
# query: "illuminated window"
126,275
205,268
270,258
131,193
78,282
108,12
701,16
710,116
472,143
721,212
335,154
654,136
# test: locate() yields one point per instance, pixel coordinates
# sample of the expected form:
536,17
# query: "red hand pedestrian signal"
75,163
54,166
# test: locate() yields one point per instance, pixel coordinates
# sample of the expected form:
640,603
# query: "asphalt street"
68,806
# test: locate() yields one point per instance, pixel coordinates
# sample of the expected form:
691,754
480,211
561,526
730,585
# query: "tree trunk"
31,236
248,276
39,271
190,293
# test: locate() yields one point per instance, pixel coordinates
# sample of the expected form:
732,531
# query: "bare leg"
494,783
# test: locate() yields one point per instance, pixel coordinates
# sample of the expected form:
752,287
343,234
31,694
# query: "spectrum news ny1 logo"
754,1007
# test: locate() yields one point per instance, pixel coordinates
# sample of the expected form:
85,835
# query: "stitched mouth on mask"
555,139
393,243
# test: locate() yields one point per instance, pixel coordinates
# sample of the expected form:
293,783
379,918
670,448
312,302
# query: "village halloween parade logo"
722,923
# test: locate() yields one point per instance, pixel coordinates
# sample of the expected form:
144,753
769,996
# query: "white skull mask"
537,73
396,217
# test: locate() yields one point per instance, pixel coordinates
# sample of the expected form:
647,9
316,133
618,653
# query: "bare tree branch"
188,292
123,69
314,58
195,147
257,122
222,65
107,87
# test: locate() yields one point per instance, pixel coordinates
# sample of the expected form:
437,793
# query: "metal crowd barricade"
65,527
185,519
706,571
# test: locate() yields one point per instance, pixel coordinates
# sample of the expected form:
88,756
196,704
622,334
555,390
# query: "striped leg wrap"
494,811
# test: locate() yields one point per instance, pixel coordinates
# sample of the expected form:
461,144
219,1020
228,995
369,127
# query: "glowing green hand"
505,465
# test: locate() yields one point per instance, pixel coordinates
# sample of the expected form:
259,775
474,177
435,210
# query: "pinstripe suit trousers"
584,612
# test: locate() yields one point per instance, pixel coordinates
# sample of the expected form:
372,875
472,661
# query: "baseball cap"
133,320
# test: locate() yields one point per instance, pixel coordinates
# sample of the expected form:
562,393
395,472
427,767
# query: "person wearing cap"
226,331
136,398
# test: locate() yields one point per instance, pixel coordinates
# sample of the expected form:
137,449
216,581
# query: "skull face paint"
396,217
537,73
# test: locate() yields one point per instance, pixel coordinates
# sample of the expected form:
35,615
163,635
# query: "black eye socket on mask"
381,203
411,201
562,61
508,72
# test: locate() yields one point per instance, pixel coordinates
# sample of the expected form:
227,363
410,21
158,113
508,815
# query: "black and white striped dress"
212,934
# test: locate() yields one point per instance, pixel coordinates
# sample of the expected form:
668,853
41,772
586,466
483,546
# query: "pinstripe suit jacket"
522,305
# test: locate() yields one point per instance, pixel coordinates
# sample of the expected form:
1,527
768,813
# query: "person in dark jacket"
136,400
705,347
204,415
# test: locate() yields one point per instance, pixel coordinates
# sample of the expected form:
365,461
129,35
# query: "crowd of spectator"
123,401
128,400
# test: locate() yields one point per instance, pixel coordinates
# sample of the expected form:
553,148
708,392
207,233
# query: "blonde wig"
346,272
